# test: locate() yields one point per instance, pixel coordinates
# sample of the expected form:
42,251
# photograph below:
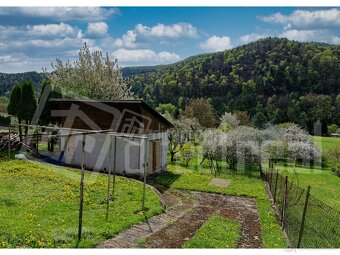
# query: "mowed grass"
216,232
326,143
179,177
324,184
39,206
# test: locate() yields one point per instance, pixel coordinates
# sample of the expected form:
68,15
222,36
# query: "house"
134,133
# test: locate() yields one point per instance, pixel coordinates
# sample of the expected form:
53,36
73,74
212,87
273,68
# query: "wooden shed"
136,133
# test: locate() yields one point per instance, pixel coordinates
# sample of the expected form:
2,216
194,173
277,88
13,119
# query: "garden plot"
178,225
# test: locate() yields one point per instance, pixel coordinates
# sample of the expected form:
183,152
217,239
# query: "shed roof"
106,114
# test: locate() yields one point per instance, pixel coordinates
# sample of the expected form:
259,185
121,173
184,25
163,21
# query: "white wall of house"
128,154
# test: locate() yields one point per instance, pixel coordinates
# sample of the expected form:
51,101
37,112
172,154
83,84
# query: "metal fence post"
277,177
9,139
81,199
270,179
37,141
114,168
303,217
283,212
144,173
108,180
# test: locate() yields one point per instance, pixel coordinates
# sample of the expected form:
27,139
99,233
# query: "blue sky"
32,37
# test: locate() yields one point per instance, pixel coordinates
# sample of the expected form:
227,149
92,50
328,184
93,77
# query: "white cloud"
39,31
215,43
303,19
128,40
144,56
8,59
84,14
19,62
97,29
320,35
141,35
244,39
167,31
61,29
336,40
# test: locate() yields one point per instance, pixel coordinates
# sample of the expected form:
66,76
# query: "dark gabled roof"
120,103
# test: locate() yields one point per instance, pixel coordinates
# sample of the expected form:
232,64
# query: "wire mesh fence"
307,221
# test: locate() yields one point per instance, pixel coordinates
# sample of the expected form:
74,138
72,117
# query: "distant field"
326,143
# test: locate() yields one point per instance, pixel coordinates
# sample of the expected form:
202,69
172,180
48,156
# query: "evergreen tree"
14,102
28,103
14,106
259,120
44,104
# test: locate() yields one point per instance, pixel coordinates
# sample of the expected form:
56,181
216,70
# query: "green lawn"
326,143
39,206
179,177
216,232
324,184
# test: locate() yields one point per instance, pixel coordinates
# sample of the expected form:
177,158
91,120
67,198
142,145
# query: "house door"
154,155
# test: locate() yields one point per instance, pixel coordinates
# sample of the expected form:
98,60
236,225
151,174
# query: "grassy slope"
326,143
39,206
324,184
216,232
180,178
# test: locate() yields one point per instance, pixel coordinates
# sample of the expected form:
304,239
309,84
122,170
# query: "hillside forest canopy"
271,80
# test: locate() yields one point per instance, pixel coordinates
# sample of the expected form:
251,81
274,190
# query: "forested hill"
269,75
281,79
8,80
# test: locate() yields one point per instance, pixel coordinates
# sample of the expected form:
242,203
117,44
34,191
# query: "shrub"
332,128
336,170
187,154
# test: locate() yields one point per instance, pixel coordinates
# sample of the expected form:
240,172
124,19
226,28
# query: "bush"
336,170
332,128
187,154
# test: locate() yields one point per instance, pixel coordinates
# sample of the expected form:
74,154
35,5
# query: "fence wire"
320,227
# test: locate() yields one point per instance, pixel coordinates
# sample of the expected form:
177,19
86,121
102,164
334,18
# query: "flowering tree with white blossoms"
184,130
92,75
229,121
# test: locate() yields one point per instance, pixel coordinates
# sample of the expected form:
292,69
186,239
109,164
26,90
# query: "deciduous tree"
92,75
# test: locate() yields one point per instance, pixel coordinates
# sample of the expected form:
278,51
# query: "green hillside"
286,80
7,81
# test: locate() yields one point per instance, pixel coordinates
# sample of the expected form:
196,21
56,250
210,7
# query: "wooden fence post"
109,180
303,217
9,139
81,199
283,211
275,190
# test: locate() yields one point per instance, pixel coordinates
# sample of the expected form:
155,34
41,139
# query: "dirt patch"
178,233
219,182
243,210
186,213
